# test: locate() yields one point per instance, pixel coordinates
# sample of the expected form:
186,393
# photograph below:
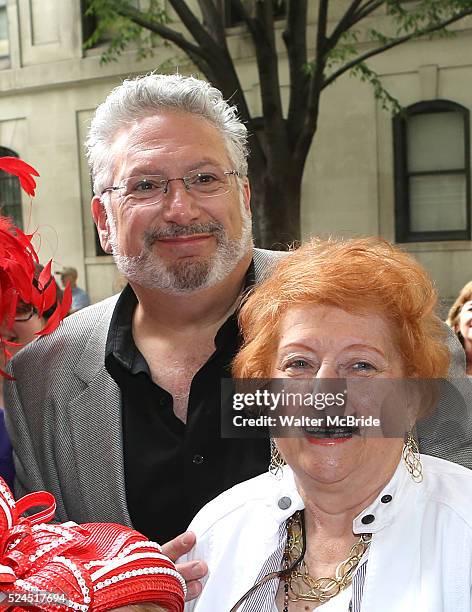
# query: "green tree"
280,141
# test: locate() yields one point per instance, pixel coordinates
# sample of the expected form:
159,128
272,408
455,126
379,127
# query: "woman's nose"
327,369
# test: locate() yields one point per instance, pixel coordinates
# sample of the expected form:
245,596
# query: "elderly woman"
460,319
353,522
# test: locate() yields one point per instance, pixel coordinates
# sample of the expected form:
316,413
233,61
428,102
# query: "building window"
233,16
10,192
432,172
89,21
4,42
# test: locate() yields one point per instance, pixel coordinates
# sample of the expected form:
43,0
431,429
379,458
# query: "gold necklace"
298,584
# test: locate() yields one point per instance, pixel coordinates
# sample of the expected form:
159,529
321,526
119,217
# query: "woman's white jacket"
420,557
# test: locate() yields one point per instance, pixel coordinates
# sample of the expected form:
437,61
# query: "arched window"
10,192
432,172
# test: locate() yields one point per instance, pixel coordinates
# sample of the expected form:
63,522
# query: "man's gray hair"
148,95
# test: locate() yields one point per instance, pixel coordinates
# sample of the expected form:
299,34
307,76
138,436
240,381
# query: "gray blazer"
64,415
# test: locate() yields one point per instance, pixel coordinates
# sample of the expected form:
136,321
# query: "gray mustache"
173,231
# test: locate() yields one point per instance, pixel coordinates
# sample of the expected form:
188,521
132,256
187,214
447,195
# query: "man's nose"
179,204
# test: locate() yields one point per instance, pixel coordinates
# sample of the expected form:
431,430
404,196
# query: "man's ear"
100,217
247,195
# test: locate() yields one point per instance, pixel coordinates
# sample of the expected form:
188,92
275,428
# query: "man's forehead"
178,134
164,125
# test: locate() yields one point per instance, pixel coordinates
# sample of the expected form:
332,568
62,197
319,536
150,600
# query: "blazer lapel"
97,438
96,431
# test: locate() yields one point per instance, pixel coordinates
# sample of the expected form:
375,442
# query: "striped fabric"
263,598
358,586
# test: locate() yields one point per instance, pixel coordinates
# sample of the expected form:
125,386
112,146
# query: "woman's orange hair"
360,276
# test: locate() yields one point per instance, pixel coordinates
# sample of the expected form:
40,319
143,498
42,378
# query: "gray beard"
151,272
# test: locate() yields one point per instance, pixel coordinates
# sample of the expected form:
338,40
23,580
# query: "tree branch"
368,8
196,29
320,62
394,43
158,28
213,20
310,119
353,15
344,23
321,31
295,41
248,20
196,54
268,65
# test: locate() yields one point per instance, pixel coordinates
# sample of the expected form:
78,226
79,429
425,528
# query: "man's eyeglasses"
148,189
24,313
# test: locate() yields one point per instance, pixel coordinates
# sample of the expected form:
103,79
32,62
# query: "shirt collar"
286,500
383,510
120,342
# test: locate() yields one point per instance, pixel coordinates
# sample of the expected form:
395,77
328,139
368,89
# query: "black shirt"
172,469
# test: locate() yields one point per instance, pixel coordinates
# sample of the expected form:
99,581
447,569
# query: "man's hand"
192,571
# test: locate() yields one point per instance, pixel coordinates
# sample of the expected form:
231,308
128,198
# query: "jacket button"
386,498
367,519
197,459
284,503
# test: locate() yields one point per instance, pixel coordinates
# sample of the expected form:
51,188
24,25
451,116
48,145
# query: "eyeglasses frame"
27,317
184,180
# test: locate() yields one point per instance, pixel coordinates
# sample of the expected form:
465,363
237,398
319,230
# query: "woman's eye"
296,364
363,366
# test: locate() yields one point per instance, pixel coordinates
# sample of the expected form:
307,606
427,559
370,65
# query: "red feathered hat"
18,258
92,567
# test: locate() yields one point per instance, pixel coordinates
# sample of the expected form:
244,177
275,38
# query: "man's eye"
204,178
146,185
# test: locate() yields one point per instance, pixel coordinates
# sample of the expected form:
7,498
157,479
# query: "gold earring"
276,461
411,457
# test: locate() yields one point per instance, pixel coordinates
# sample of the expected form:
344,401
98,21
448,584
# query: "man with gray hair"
124,423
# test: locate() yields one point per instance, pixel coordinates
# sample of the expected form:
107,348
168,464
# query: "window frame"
18,204
403,233
231,21
5,57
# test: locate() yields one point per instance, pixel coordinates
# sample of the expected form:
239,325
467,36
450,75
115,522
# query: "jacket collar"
286,500
389,502
91,363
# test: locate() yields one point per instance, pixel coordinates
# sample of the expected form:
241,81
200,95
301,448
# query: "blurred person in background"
80,298
460,319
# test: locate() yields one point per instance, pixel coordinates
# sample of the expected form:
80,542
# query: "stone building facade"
407,180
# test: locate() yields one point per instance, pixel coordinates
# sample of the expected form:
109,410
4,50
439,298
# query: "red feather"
22,170
18,261
66,301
